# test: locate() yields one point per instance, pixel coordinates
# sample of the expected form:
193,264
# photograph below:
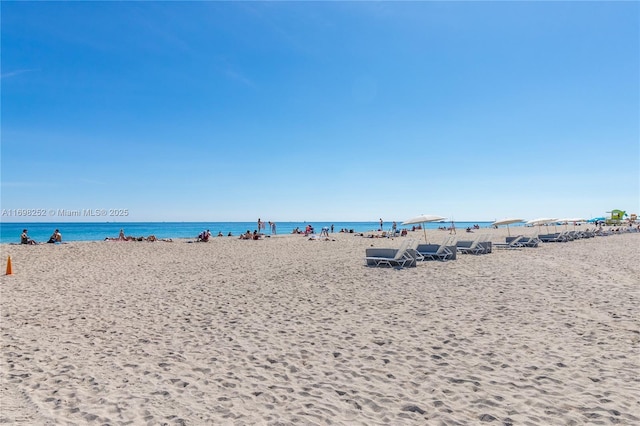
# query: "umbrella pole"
424,229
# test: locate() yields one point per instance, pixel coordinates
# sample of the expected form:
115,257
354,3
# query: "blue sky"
220,111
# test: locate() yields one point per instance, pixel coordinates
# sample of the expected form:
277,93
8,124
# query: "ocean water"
98,231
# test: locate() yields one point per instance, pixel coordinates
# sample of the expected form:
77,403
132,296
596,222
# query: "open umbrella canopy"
597,219
507,221
541,221
423,218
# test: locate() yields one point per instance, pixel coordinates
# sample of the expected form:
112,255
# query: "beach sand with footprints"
286,330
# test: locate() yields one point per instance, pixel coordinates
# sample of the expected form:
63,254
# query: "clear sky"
291,111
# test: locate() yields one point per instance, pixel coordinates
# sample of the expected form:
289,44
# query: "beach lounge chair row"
409,253
559,237
532,241
566,236
519,241
553,238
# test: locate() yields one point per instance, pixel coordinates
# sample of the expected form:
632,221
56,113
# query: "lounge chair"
399,259
601,232
412,250
532,241
477,246
568,235
512,243
588,233
553,238
441,253
485,244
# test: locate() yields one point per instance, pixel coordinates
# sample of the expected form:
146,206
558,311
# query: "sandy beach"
291,331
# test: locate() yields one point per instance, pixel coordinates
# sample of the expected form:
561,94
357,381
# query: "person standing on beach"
381,223
273,228
259,224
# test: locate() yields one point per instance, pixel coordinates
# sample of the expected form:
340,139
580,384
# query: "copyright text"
65,212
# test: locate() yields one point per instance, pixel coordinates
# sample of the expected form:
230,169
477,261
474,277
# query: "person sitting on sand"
56,237
121,236
24,238
204,236
246,236
255,235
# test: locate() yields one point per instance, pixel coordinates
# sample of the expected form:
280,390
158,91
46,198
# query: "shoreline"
496,235
73,235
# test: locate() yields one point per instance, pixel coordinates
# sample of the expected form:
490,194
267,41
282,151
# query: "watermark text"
65,212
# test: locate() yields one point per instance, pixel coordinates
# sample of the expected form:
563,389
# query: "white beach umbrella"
423,218
542,221
507,221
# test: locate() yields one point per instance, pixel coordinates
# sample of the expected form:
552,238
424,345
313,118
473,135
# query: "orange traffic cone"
9,269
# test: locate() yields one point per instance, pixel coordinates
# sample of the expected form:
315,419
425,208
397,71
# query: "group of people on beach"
257,234
123,237
56,237
470,230
250,236
204,236
262,226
